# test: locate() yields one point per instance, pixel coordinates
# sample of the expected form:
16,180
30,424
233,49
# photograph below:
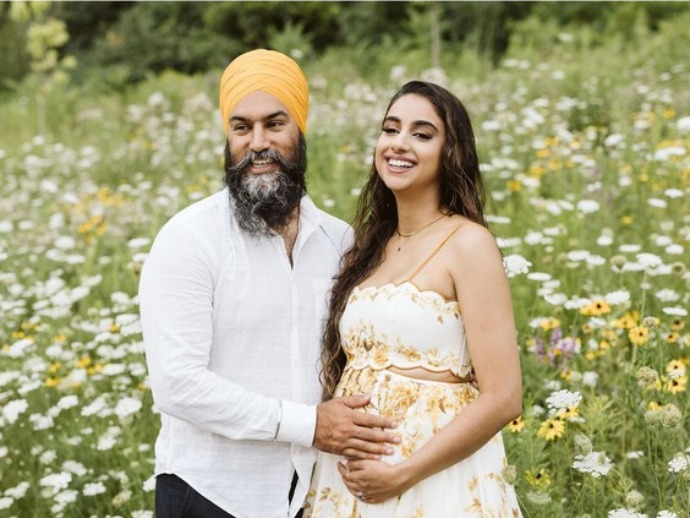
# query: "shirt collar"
310,218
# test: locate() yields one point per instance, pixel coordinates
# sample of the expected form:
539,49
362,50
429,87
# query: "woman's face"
408,151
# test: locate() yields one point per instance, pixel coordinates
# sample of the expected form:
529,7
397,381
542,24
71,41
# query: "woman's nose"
399,143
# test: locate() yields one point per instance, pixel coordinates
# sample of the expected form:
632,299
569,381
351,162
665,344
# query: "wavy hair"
376,218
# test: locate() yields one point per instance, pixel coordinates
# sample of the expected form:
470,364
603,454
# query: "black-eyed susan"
550,323
639,335
676,385
676,366
516,425
625,322
540,478
552,429
596,308
671,337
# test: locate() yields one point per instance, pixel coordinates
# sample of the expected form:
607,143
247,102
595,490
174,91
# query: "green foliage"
153,37
584,146
143,38
14,59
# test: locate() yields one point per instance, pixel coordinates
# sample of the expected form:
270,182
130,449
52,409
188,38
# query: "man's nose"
259,139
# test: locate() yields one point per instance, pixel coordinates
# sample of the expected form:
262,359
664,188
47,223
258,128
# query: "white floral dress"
401,326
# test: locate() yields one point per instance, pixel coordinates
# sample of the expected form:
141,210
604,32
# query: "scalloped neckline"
406,283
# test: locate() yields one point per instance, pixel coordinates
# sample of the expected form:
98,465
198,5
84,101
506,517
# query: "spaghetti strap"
433,253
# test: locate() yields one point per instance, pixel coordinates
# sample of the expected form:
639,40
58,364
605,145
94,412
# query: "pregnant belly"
429,375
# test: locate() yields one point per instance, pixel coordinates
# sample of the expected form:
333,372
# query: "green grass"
557,131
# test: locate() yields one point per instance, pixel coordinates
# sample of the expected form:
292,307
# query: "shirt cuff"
297,424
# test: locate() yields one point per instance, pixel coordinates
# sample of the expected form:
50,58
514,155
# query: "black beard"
264,203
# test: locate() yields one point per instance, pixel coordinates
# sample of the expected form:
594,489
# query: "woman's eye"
423,136
388,131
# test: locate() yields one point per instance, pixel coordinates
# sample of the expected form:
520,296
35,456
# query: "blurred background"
109,125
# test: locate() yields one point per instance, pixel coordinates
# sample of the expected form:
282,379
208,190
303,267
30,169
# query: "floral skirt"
474,487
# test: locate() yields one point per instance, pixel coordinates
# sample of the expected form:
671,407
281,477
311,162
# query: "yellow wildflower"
549,323
595,308
675,365
552,429
516,425
672,338
535,170
675,385
639,335
654,405
626,321
83,362
539,479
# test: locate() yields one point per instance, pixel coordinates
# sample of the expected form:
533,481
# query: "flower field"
586,156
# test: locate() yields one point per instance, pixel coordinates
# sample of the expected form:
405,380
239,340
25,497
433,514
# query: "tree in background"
45,35
124,42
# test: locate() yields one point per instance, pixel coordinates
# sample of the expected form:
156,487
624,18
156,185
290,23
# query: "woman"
421,319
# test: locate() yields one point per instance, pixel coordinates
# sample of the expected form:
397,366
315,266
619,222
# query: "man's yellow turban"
270,72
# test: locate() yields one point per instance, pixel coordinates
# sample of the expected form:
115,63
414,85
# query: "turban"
270,72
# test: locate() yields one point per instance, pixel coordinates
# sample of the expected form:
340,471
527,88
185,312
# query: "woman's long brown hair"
376,218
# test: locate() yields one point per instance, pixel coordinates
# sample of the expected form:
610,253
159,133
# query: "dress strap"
433,253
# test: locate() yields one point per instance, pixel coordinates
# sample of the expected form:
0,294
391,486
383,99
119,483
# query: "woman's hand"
373,481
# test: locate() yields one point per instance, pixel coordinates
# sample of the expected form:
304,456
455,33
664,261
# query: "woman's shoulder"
474,252
469,234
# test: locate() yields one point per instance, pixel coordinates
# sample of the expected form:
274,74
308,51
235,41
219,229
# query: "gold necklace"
408,234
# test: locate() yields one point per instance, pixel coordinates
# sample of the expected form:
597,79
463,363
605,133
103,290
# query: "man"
233,299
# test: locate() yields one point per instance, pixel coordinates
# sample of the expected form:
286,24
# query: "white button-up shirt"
233,336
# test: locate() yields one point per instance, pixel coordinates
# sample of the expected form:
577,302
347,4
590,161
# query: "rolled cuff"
297,424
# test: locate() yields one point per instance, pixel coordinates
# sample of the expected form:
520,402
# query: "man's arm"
176,304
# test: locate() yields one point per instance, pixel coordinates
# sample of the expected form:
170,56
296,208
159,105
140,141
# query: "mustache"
265,203
251,156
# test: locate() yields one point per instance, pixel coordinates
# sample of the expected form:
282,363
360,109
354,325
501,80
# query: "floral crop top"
402,326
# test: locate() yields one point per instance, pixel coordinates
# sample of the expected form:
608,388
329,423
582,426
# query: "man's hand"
342,430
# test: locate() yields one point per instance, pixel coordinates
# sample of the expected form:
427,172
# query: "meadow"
585,152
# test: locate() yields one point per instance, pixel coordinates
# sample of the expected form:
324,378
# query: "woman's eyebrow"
421,122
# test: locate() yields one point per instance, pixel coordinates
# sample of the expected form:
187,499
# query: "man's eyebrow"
421,122
274,115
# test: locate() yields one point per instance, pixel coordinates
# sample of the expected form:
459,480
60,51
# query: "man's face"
265,163
260,122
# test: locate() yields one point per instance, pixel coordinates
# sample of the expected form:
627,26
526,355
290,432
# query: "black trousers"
177,499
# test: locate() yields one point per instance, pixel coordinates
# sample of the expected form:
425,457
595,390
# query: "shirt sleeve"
297,424
176,305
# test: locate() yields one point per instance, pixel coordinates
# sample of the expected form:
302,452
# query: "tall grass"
585,153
